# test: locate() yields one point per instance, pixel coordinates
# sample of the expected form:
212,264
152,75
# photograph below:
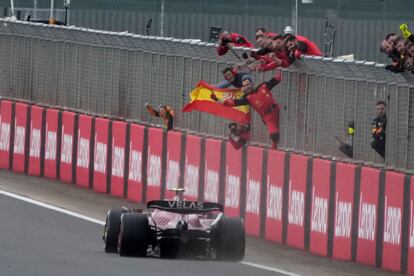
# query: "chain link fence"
359,25
114,74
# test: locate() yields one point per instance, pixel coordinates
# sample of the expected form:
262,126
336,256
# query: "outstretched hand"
278,75
213,97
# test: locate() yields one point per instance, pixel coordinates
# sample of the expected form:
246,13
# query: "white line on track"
100,222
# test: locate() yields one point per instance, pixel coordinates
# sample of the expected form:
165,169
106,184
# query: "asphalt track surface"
35,240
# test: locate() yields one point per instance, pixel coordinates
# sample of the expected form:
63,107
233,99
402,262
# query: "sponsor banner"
253,190
368,214
51,134
100,158
154,169
321,177
36,121
274,202
233,181
296,201
19,150
67,146
393,215
136,148
83,151
5,133
344,204
118,157
192,167
411,231
172,179
212,165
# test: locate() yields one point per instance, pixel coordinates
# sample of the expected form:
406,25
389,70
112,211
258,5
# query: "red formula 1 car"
175,228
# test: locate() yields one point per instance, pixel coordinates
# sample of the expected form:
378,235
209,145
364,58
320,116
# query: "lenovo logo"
135,165
367,220
296,206
343,218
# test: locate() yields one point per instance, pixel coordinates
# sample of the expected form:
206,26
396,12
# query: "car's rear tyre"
111,231
230,239
134,235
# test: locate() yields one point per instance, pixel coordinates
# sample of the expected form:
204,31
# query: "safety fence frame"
114,74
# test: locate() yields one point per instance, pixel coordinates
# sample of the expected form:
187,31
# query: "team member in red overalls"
300,45
228,40
261,100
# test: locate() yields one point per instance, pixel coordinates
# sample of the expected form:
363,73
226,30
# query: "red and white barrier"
192,167
232,191
136,149
368,216
274,202
393,215
212,165
118,158
100,159
51,141
67,147
6,122
20,126
173,163
154,169
253,190
344,204
296,209
321,176
83,151
36,124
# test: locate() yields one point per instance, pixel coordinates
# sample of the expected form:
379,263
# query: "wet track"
38,241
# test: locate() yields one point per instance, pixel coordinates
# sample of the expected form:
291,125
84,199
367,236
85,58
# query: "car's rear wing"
185,207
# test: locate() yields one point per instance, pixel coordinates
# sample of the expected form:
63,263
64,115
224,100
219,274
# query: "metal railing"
116,73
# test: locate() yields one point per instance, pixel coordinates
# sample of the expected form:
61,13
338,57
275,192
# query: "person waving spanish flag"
201,100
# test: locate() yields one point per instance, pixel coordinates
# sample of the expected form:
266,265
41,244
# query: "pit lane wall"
334,209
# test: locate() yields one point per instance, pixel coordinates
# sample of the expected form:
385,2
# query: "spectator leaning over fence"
379,125
277,58
228,40
163,111
239,133
389,49
261,100
301,46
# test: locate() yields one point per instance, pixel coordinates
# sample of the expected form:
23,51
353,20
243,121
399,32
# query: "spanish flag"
200,100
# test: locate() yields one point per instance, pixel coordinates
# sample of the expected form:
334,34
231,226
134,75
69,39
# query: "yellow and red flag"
200,100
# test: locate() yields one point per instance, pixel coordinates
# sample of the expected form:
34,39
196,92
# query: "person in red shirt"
228,40
277,58
300,45
262,101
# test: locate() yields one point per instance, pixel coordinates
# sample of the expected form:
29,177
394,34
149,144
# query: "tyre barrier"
330,208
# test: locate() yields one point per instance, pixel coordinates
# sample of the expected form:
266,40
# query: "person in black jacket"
379,125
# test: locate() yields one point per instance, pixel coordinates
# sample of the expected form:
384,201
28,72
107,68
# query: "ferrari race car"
175,228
